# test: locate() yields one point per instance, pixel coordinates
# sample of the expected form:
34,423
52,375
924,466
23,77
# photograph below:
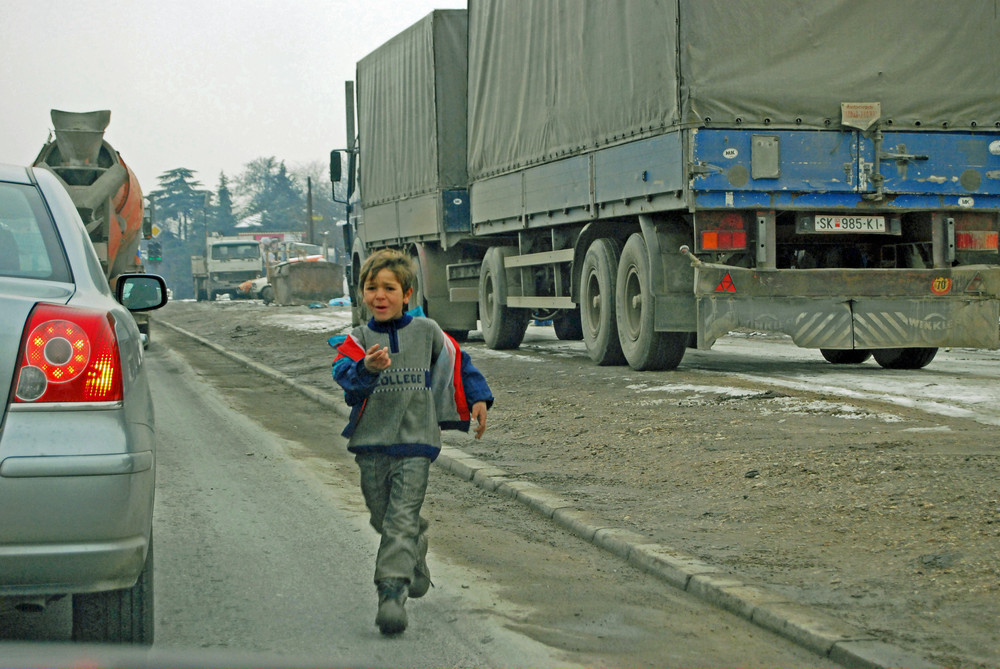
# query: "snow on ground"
334,320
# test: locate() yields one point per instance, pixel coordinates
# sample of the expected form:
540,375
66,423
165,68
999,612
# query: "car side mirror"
141,292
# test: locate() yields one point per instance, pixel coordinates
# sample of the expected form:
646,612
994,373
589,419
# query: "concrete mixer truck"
104,190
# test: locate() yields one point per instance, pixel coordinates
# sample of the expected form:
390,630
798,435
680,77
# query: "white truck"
227,262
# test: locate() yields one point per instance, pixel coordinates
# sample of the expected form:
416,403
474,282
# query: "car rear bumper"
77,523
71,568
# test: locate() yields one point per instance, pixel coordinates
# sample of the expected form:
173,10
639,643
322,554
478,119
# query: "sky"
209,85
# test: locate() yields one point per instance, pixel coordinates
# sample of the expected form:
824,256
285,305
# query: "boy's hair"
395,261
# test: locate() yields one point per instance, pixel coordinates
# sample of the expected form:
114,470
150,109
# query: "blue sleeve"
356,381
474,383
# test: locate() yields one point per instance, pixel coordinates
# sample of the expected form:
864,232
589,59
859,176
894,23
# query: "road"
258,553
267,548
874,497
264,557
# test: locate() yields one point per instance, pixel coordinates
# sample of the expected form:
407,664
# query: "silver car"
77,449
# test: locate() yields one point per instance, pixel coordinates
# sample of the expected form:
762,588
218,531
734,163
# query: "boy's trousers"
394,489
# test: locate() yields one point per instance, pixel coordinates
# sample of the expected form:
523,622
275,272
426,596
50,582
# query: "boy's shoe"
421,582
391,617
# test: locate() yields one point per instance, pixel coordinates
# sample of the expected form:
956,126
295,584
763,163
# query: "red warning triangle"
726,285
976,285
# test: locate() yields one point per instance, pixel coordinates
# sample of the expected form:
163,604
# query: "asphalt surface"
816,631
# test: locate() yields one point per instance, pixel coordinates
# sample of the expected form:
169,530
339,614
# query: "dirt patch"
881,515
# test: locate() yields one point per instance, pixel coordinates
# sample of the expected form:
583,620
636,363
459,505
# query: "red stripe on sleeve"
351,349
460,405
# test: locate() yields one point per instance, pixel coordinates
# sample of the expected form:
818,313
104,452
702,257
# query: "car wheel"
117,616
267,294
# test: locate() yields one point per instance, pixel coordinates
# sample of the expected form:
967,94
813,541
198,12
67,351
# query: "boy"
399,376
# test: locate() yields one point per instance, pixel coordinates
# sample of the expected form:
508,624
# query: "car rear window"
29,245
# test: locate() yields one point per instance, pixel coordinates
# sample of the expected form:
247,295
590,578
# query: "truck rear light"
69,355
721,231
976,241
975,231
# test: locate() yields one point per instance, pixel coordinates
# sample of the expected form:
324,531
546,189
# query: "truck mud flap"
845,309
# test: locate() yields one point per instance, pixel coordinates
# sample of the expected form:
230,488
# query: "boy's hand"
479,414
377,358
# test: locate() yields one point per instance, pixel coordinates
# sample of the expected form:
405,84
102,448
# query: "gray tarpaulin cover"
411,110
552,78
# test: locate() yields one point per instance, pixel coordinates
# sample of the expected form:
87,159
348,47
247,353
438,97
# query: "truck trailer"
654,174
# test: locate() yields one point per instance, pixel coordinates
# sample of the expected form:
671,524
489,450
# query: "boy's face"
384,296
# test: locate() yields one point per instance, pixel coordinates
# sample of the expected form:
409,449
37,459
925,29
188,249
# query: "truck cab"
228,262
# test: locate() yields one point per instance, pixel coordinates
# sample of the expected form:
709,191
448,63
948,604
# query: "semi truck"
652,175
226,263
104,190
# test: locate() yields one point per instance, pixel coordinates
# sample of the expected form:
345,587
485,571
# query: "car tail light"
69,355
975,231
721,231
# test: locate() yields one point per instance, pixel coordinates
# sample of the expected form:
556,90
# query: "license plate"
850,224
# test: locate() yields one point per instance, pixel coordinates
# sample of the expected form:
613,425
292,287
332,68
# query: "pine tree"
224,219
270,191
180,203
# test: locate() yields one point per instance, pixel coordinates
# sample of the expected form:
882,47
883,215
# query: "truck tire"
644,347
568,326
597,302
117,616
904,358
845,357
503,327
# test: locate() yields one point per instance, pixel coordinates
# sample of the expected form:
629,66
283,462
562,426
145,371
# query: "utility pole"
310,224
204,216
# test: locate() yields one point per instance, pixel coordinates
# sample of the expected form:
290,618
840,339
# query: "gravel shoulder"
883,516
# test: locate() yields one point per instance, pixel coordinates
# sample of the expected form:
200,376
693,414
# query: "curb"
818,632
